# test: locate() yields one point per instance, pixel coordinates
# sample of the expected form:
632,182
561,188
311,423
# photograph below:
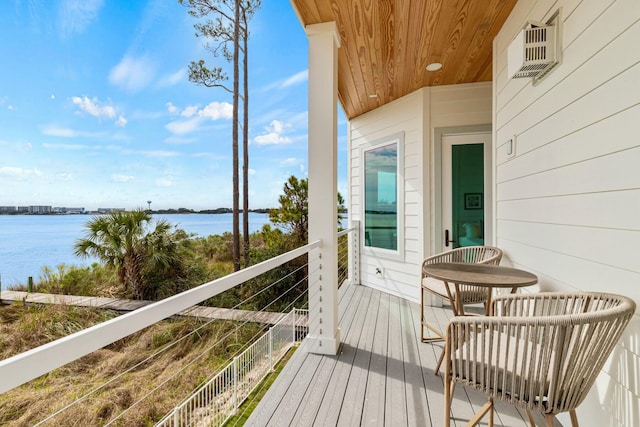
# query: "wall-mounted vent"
533,53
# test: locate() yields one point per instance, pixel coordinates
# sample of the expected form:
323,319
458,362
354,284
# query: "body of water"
30,242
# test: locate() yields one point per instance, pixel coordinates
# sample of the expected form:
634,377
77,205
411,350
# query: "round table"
488,276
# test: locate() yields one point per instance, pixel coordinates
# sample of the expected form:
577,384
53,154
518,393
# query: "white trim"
439,133
398,254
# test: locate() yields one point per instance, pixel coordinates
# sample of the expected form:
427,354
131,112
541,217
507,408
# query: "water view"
30,242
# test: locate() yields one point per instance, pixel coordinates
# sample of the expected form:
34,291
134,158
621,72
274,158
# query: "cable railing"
215,400
220,397
26,366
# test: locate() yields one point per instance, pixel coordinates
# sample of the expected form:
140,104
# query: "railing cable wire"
167,347
206,351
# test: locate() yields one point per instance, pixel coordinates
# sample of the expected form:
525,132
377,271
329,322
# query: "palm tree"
122,241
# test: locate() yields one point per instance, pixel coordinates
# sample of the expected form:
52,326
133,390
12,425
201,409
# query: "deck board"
375,389
395,402
383,373
331,405
350,413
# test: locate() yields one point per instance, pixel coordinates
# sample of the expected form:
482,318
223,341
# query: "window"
383,195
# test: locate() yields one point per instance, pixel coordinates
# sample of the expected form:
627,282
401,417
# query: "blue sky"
96,109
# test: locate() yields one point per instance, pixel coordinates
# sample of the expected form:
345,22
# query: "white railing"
31,364
217,400
348,251
245,371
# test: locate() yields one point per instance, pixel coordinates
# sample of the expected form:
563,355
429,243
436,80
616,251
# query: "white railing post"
176,419
271,349
235,384
293,326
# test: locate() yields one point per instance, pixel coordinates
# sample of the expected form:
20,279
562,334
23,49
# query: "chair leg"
424,324
447,402
438,335
491,412
486,408
549,418
574,418
532,422
437,370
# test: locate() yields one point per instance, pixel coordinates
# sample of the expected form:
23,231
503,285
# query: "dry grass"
23,327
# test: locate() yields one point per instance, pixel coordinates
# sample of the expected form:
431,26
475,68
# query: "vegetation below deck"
202,353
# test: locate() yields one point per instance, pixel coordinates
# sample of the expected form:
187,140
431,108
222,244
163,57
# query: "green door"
464,197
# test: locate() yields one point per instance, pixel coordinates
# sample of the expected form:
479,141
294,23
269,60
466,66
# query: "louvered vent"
533,52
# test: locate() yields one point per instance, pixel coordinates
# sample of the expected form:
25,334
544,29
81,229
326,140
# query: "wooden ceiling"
387,44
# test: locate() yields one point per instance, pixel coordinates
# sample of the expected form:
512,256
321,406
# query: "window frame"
396,139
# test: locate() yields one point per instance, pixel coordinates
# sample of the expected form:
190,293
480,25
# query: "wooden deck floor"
382,375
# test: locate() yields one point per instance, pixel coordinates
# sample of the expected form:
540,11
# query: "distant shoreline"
180,211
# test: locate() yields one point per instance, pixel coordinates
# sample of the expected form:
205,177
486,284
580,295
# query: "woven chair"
540,352
466,295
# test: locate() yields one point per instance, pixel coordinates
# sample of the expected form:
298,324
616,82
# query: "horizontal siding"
416,115
568,202
403,115
460,105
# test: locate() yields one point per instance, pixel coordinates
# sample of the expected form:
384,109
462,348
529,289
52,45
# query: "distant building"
8,209
23,209
108,210
40,210
65,210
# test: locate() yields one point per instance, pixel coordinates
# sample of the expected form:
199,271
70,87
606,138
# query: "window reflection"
381,197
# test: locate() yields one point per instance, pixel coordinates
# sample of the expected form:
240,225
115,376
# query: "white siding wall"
568,203
416,115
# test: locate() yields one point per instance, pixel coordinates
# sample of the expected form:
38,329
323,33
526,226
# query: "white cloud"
61,132
5,101
155,153
164,182
181,127
173,79
171,108
53,96
132,74
217,110
179,140
252,171
291,161
121,178
76,15
296,79
195,117
19,174
64,176
52,130
274,134
92,106
189,111
70,147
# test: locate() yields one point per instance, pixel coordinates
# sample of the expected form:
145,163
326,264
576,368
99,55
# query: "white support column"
324,42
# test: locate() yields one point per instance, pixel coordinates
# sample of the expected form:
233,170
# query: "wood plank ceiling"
387,44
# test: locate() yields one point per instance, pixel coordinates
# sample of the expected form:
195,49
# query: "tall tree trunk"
236,86
245,145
